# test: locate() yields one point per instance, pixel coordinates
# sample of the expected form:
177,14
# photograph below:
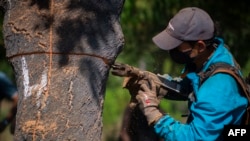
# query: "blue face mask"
180,57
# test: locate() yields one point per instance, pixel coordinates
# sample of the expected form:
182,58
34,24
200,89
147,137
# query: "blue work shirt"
7,88
218,102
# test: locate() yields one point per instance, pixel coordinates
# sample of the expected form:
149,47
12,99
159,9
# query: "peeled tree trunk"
61,52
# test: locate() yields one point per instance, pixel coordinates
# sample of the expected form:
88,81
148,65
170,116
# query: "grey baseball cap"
189,24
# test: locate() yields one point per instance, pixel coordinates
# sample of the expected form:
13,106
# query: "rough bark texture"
61,51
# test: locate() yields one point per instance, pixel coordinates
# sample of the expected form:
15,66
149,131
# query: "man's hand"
133,78
119,69
148,102
124,70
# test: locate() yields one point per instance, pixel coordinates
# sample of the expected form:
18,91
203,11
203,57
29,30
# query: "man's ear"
201,46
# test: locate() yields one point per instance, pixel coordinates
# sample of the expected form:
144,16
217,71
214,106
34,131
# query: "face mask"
180,57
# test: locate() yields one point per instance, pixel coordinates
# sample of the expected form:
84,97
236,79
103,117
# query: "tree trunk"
61,51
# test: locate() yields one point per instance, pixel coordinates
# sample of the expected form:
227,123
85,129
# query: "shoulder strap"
233,71
226,68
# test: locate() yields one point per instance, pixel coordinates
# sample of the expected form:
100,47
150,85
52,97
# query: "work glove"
132,84
133,78
124,70
148,102
3,124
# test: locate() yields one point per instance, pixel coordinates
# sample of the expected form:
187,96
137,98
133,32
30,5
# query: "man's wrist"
153,115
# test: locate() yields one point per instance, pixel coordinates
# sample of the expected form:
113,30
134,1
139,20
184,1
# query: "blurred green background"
140,21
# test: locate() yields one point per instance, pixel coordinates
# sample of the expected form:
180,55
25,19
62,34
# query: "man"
8,91
190,39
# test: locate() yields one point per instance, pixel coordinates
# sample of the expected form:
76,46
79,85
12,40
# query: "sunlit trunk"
61,51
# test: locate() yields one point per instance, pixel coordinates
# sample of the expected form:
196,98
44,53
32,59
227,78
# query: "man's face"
182,54
188,52
189,47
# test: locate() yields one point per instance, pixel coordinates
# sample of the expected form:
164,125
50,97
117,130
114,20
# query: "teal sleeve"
217,103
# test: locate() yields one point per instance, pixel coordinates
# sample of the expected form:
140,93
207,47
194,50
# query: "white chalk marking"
39,87
26,82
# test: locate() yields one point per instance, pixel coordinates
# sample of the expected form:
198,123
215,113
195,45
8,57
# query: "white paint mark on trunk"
26,82
37,88
40,87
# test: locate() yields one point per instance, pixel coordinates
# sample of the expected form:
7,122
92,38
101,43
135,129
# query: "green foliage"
140,21
5,64
116,100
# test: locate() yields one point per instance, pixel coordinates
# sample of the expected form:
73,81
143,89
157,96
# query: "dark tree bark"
61,51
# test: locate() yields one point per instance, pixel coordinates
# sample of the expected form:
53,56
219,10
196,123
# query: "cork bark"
61,52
